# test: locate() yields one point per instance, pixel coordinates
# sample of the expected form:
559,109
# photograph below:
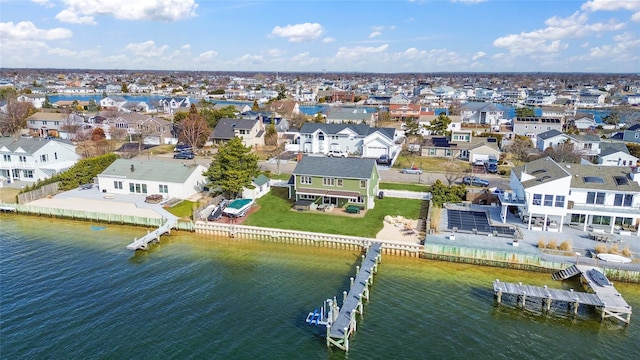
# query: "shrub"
541,244
626,252
600,249
552,244
502,172
434,221
614,249
565,246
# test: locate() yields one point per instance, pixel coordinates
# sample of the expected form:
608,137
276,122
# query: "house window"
339,182
22,158
363,184
559,200
56,123
307,197
44,158
242,132
595,198
44,122
32,122
628,200
360,200
447,152
328,181
537,199
617,200
432,152
55,155
27,174
138,188
305,180
117,185
6,157
601,220
163,189
548,200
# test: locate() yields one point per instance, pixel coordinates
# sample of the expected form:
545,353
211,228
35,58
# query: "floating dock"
152,236
341,321
602,294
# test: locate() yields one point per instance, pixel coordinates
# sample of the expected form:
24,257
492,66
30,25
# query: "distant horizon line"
319,72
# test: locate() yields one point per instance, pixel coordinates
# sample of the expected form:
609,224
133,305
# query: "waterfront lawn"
404,186
275,211
182,209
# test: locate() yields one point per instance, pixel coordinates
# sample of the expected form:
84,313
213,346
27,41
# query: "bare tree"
71,126
15,119
454,172
564,153
194,129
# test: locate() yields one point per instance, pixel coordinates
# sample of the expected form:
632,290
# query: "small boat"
614,258
599,278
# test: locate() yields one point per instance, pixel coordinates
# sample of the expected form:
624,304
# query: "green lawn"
275,211
404,186
182,209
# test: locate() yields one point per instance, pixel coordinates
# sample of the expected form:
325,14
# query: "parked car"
411,171
184,155
474,181
491,167
182,148
384,160
337,153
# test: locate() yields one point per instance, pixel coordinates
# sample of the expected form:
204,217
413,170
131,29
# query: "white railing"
404,194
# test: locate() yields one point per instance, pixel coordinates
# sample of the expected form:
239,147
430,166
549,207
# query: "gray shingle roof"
168,172
549,134
225,128
30,145
360,129
351,168
608,148
607,174
544,170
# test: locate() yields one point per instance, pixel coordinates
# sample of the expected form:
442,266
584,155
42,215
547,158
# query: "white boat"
614,258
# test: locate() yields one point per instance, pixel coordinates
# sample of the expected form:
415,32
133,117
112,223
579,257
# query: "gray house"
632,134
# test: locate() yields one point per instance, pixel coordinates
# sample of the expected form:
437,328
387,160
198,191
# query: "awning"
331,193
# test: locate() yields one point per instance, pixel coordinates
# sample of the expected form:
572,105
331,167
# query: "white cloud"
62,52
71,17
636,17
24,31
251,59
358,53
328,40
153,10
146,49
478,55
206,56
374,34
186,46
45,3
611,5
549,39
275,52
299,32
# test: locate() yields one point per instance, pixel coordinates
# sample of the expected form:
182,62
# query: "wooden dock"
152,236
341,322
606,299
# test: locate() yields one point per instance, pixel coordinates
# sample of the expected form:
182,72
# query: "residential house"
351,116
115,103
632,134
336,181
615,154
173,105
53,124
481,113
357,139
260,186
549,195
582,121
37,100
33,159
399,99
585,145
461,145
150,177
285,108
250,131
532,126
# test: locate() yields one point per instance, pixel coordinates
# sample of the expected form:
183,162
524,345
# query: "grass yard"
404,186
183,209
430,164
275,211
8,195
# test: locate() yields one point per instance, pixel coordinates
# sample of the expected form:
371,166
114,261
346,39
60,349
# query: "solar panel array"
469,221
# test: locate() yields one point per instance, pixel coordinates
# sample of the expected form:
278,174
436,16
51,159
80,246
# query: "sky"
592,36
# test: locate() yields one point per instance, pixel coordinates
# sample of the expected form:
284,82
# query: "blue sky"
356,36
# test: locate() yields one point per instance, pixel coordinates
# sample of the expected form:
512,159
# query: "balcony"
510,198
602,209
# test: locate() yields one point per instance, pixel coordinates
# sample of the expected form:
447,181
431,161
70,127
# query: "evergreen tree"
233,167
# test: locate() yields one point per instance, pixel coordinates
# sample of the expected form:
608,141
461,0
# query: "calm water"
67,291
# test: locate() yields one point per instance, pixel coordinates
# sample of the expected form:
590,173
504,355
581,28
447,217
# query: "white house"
33,159
616,154
37,100
585,145
259,187
170,179
113,102
481,113
360,139
549,195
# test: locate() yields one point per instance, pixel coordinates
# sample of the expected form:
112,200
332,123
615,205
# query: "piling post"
344,297
360,307
357,269
328,337
351,281
524,299
346,340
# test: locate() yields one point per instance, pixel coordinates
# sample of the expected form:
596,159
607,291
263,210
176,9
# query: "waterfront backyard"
276,212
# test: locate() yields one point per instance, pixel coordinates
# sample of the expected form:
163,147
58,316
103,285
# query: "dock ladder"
569,272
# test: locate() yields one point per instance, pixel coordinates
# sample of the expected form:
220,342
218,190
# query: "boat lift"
325,315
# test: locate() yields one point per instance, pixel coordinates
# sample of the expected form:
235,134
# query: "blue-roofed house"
632,134
336,181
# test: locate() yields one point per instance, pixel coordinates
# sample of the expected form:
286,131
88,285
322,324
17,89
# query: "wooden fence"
42,192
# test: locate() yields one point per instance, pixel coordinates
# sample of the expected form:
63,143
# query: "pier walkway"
153,236
341,321
604,297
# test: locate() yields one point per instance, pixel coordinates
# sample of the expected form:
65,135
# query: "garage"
376,151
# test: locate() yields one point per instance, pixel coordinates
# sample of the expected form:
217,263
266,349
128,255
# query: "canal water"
69,291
